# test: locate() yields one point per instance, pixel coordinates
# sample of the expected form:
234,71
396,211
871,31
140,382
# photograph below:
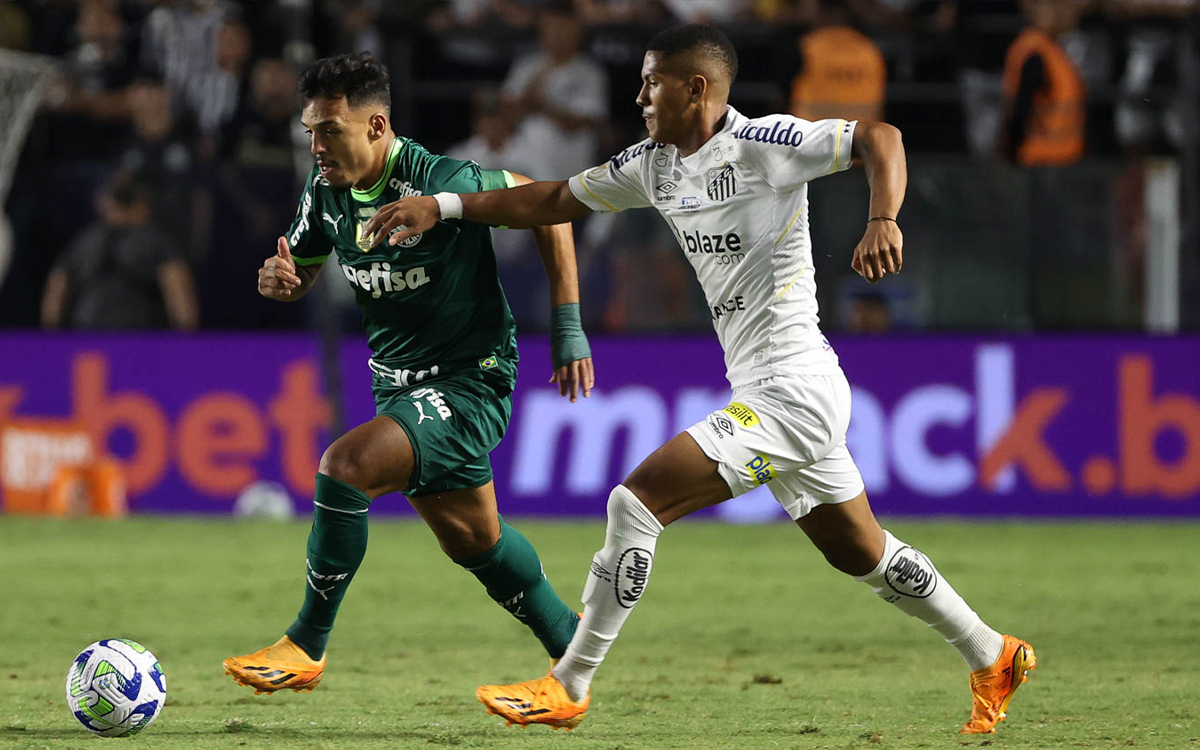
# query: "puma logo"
331,577
421,411
332,220
320,591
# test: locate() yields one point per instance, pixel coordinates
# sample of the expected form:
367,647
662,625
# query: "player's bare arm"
521,207
881,150
281,279
556,245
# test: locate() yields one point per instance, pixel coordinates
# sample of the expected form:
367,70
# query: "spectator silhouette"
559,97
121,272
162,152
843,74
1045,92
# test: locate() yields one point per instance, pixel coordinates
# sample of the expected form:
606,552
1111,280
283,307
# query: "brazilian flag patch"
487,363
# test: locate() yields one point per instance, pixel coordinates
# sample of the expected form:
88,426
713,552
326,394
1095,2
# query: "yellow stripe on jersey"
509,180
789,225
583,181
791,284
301,261
837,145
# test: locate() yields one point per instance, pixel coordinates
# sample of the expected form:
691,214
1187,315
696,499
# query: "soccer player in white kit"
734,191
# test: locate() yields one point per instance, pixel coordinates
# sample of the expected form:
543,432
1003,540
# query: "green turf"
746,639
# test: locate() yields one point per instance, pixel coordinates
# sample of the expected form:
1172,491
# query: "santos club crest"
722,183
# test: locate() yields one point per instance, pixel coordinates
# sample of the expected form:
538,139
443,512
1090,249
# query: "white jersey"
739,207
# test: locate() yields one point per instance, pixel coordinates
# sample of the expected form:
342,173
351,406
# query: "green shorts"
453,422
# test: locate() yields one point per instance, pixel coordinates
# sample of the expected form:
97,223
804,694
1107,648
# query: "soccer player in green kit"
444,362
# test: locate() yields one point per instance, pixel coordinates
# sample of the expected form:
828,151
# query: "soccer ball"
116,688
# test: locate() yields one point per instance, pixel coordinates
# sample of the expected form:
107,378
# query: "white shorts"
787,433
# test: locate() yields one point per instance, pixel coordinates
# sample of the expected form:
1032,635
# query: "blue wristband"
568,343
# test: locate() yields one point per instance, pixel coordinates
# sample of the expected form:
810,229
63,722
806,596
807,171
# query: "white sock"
905,577
617,580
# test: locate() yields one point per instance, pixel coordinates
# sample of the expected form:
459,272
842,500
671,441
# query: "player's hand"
880,252
277,278
405,218
574,378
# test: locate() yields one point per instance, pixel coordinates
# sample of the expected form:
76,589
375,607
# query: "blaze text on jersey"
727,247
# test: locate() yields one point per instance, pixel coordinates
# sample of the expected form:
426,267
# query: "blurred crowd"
166,154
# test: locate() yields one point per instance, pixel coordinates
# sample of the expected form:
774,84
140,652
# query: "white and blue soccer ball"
116,688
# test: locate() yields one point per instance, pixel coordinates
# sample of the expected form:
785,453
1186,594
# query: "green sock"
336,546
512,574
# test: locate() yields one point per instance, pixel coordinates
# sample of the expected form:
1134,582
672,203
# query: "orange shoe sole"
305,686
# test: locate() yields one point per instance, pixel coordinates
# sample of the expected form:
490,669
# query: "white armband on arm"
451,205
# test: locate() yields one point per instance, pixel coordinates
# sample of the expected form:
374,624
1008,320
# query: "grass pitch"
746,639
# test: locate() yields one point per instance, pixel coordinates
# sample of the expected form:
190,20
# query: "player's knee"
341,462
850,557
625,508
461,541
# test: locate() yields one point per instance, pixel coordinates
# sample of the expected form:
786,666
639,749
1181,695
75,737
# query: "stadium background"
1036,359
1004,263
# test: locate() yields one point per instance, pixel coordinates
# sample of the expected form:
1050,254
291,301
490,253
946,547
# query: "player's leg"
853,542
371,460
473,534
826,498
675,480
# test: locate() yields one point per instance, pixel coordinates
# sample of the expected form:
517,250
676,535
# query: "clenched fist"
880,252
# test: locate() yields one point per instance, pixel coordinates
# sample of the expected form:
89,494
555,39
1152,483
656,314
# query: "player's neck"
382,149
709,123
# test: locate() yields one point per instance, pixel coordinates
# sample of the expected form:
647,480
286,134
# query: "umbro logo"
666,187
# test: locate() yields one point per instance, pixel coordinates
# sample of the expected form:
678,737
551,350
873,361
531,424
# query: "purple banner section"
1038,426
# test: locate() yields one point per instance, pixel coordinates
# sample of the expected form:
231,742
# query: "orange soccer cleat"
993,687
540,701
280,666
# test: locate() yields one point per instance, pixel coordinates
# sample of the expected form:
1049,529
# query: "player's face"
341,139
665,101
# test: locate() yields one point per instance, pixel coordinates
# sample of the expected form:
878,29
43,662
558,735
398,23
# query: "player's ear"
697,85
377,126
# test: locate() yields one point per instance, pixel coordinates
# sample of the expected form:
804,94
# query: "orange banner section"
51,466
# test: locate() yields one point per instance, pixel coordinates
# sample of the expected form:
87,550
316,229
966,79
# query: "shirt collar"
733,118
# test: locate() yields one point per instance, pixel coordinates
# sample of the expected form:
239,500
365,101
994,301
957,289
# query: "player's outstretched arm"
881,150
569,350
522,207
281,279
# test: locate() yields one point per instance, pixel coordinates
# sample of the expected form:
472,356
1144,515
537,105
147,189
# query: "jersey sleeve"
615,185
457,176
789,152
308,245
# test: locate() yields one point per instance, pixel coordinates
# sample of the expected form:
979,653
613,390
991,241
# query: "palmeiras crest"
722,183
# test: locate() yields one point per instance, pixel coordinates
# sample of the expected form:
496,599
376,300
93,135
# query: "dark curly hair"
358,77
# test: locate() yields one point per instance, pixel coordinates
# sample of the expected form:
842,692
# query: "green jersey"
432,304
